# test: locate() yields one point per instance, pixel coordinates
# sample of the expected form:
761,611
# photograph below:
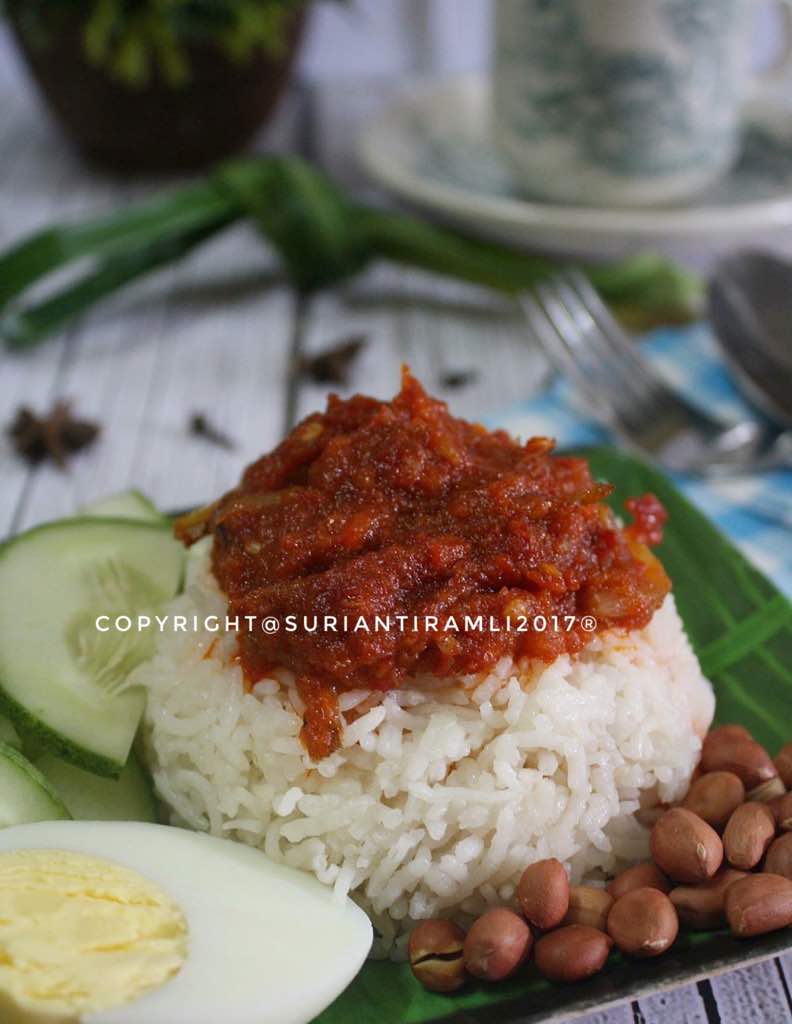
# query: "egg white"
267,944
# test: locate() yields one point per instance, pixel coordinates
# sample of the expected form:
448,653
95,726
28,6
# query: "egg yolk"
79,934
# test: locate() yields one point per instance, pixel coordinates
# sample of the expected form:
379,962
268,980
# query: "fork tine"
590,350
616,337
584,342
629,379
658,399
559,354
635,406
640,416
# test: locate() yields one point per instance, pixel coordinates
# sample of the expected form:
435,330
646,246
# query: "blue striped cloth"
754,511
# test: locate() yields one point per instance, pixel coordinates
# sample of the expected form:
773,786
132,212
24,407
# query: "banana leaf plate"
741,627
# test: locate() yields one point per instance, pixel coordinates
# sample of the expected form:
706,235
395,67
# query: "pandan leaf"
147,223
27,327
322,237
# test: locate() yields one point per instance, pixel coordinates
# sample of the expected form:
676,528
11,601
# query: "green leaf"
738,621
27,327
46,251
387,993
741,627
321,236
302,214
645,290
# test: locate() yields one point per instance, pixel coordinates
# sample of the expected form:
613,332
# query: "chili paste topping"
397,512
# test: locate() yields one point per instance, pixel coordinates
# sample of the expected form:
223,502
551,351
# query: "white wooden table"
220,334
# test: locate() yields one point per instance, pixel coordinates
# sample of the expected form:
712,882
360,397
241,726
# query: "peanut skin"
643,923
782,809
714,797
702,906
639,876
731,730
758,904
543,893
435,954
779,856
783,763
497,945
748,834
588,906
572,953
731,752
685,847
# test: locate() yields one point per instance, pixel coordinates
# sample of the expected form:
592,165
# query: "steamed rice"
440,794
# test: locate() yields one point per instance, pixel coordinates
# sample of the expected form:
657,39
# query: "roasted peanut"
648,816
757,904
749,832
783,763
497,945
572,953
639,876
643,923
435,953
714,797
701,906
779,856
782,809
685,847
588,906
767,791
732,731
728,752
543,893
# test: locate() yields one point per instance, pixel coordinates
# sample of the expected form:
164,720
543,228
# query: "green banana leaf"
741,627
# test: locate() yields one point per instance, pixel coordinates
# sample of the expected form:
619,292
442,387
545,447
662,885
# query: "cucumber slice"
62,680
9,735
25,795
127,505
91,798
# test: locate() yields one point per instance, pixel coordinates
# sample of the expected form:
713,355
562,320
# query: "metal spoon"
750,307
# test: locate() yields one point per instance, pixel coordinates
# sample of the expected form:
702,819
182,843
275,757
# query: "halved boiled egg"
130,923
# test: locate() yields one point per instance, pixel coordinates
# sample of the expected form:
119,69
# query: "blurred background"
399,37
461,193
417,108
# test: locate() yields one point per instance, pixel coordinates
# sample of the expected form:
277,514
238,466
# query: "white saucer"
433,147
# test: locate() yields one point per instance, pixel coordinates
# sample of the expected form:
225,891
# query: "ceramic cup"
621,102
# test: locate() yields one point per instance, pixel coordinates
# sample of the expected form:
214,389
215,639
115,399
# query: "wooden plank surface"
219,334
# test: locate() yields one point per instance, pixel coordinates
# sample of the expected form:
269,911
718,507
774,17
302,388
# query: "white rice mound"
440,795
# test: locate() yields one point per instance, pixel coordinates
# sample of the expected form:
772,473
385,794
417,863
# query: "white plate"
434,148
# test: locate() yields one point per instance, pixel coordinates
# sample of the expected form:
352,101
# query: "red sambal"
398,514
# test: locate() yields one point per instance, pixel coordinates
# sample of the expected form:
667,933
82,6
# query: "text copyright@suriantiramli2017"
271,624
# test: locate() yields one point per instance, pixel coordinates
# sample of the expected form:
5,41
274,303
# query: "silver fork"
583,341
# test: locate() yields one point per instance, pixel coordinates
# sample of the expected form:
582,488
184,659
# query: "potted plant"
152,85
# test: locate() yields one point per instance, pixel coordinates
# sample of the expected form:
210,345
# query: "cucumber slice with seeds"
127,505
61,679
25,795
91,798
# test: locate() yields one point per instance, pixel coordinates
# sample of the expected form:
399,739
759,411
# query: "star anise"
54,436
332,365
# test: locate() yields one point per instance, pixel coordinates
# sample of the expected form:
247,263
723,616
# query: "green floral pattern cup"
620,102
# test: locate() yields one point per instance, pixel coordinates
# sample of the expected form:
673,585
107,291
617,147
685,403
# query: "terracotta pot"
157,127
